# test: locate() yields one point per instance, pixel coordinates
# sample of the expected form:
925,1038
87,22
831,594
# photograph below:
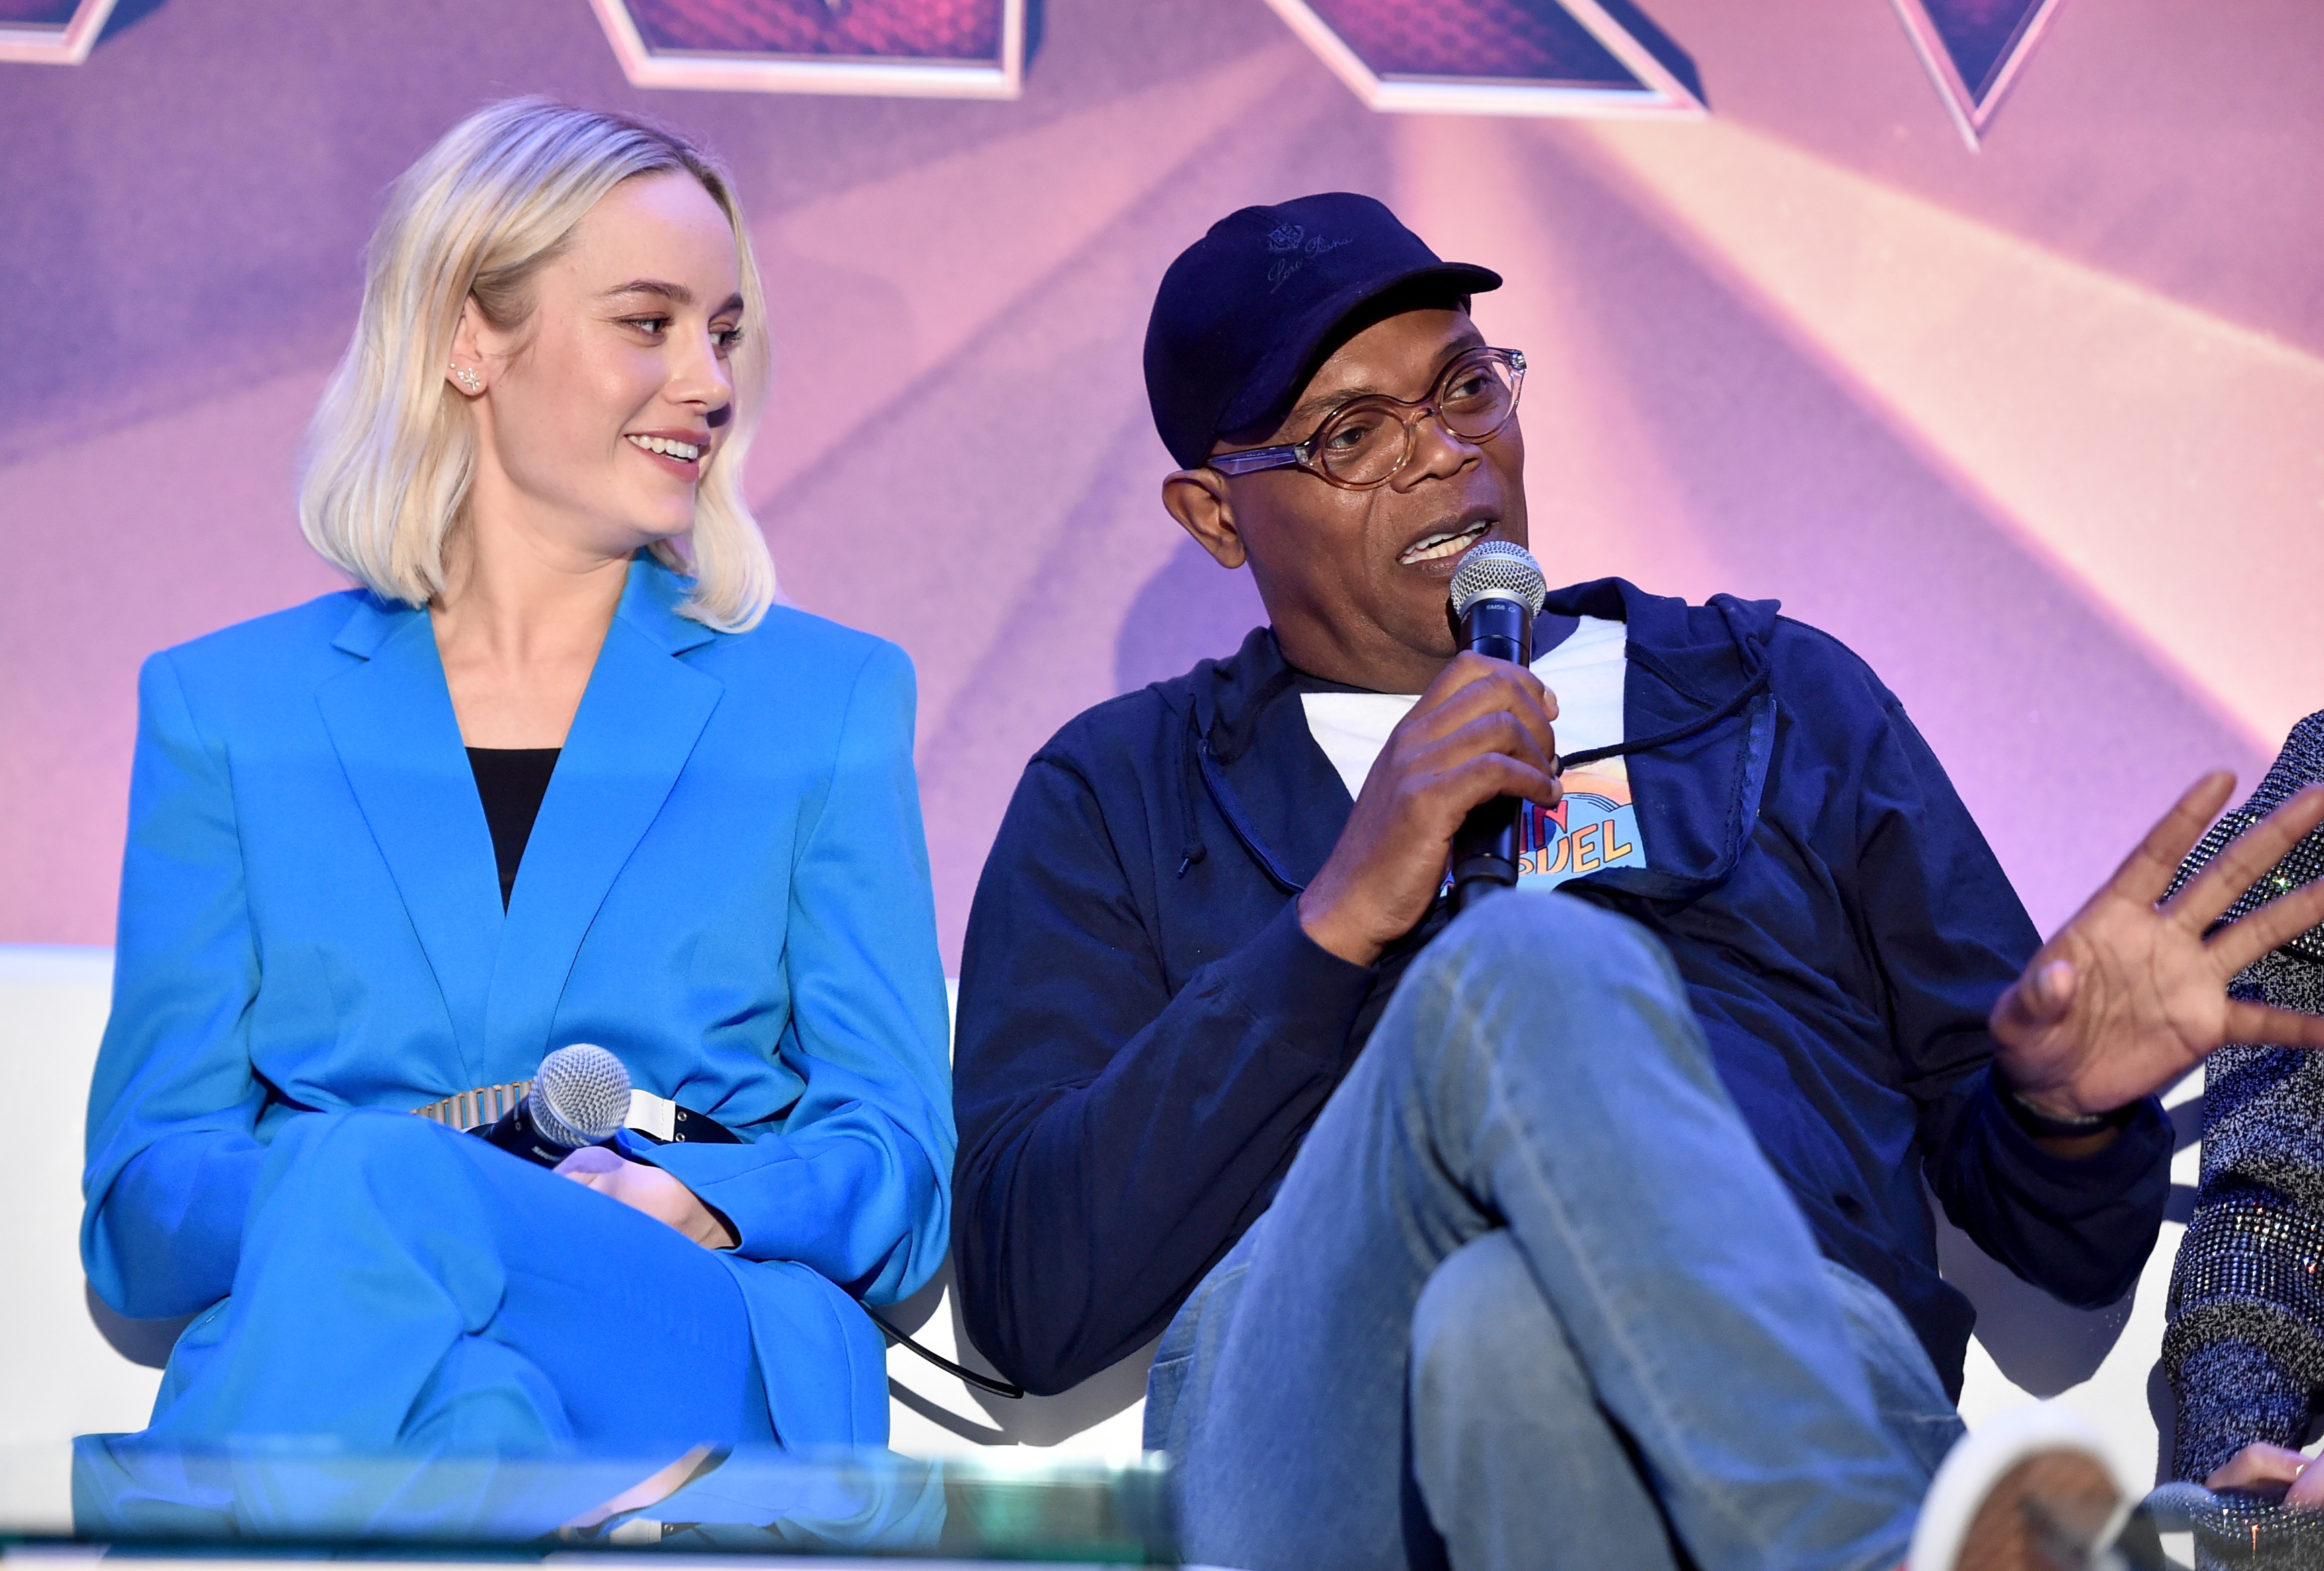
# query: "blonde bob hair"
391,452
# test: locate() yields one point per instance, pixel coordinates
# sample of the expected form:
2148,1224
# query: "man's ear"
1198,500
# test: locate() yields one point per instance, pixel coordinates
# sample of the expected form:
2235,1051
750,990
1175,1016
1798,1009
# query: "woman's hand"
2262,1469
649,1189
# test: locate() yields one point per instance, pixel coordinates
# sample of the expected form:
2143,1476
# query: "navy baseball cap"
1243,315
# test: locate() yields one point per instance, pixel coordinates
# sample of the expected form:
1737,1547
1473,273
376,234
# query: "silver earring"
468,378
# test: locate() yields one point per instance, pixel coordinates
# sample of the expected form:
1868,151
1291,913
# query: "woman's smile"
673,455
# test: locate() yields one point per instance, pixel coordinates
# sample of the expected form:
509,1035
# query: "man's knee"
1554,941
1538,973
1482,1330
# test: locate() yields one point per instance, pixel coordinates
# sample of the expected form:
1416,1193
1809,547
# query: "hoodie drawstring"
1751,691
1230,807
1193,850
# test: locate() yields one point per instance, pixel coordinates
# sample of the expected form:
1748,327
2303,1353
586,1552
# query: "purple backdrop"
2034,429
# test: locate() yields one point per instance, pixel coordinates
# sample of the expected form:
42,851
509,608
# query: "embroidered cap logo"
1293,248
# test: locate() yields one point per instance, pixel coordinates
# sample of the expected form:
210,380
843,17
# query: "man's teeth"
1437,547
663,445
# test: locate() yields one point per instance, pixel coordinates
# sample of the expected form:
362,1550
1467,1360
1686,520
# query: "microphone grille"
1502,567
580,1095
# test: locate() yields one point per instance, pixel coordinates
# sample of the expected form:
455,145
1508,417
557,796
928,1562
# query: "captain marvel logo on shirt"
1594,825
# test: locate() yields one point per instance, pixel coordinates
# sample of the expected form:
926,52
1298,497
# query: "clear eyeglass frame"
1303,455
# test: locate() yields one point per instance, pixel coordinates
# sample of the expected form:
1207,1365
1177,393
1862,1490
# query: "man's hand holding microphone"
1484,730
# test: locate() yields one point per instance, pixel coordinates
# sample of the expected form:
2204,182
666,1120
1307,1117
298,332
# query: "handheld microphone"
579,1096
1496,591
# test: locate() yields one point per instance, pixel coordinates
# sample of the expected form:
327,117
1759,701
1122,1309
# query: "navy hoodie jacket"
1146,1032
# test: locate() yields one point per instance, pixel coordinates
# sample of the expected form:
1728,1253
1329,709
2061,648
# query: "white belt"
649,1113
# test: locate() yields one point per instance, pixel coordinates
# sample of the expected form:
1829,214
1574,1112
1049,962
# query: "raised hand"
2130,995
645,1188
1481,730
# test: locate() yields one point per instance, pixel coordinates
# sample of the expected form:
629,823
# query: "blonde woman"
557,771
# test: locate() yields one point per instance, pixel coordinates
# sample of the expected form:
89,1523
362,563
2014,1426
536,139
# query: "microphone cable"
999,1387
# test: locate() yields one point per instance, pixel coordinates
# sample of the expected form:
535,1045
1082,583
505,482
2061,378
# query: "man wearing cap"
1587,1229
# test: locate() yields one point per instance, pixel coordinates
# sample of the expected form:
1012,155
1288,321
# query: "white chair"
69,1366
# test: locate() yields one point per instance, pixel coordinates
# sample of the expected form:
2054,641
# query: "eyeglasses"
1367,441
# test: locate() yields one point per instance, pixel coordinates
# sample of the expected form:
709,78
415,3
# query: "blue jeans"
1531,1296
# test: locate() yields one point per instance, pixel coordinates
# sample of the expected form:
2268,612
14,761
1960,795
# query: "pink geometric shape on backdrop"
955,49
1501,57
965,30
1974,51
57,32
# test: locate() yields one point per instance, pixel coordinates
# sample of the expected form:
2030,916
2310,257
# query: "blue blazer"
727,886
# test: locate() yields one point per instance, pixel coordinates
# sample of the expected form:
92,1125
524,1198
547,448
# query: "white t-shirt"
1596,825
